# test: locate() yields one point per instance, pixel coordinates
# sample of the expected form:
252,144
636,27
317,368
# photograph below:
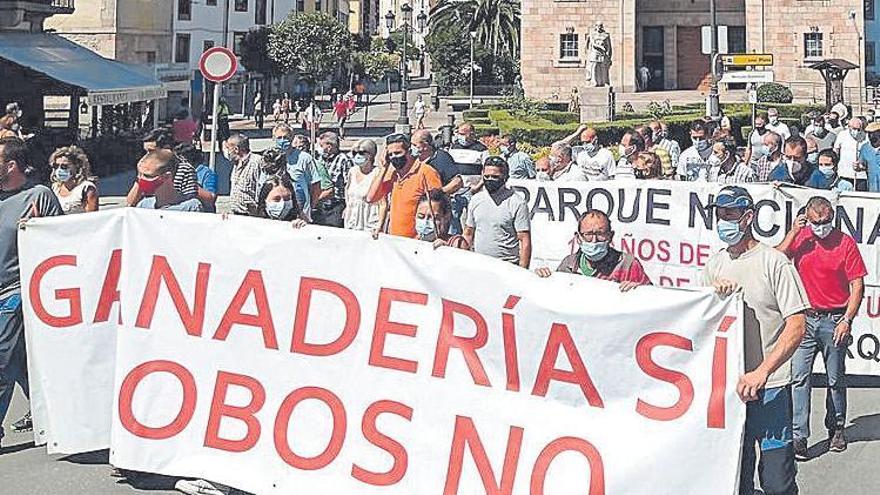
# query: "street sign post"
217,64
748,59
747,76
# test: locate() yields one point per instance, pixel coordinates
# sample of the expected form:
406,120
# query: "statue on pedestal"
599,56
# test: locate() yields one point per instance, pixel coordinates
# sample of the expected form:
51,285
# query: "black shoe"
800,449
838,441
24,424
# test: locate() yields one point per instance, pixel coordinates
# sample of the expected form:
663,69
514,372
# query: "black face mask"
874,137
761,130
492,185
832,123
397,161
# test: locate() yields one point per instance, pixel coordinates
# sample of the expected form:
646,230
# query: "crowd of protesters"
802,296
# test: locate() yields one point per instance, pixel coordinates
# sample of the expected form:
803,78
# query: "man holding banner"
596,258
20,199
833,272
775,301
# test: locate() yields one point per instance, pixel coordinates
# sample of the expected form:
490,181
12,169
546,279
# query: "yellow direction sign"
745,59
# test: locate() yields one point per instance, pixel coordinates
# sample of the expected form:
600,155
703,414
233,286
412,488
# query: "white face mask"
821,230
542,175
279,209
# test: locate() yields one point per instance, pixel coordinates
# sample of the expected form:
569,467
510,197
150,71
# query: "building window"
260,12
211,3
870,61
736,39
869,10
181,49
300,5
317,5
207,45
240,5
237,39
568,46
184,10
812,45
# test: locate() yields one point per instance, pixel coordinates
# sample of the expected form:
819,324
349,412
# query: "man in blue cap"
774,324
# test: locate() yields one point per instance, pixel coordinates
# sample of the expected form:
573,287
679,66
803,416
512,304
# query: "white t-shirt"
772,291
779,128
573,172
848,148
623,170
599,166
692,166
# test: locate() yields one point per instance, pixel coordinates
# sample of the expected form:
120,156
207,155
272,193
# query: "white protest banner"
667,225
321,361
73,291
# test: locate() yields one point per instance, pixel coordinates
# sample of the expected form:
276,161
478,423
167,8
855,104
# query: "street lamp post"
403,119
473,34
421,22
389,23
713,106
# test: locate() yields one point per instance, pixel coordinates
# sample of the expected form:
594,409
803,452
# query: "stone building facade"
665,36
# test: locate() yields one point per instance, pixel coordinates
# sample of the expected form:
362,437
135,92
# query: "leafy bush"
558,117
774,93
476,113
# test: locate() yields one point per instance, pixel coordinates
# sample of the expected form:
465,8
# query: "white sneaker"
201,487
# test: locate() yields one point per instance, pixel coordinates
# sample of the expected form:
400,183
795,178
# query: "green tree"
374,64
496,22
450,60
315,45
255,52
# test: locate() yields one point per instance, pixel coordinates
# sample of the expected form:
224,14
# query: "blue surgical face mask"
505,150
729,231
590,147
283,144
278,209
701,144
766,150
425,228
594,251
826,170
62,174
359,159
460,139
813,157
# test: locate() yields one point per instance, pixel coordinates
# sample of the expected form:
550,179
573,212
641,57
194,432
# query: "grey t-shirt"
15,206
192,204
772,291
496,219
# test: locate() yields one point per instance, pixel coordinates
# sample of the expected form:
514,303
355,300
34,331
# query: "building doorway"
652,56
693,66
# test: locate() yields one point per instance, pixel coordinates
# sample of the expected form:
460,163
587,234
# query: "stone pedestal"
595,104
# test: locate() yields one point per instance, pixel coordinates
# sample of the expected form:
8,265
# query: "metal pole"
215,115
402,119
861,73
714,109
472,71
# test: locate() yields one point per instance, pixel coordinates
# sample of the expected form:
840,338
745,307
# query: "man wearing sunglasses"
833,273
498,222
773,325
597,258
406,179
156,183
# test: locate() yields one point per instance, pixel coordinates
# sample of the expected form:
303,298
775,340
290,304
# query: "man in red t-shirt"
596,258
833,272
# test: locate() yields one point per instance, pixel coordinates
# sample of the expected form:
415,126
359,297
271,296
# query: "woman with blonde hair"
71,180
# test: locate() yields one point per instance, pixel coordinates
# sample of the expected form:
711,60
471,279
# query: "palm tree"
496,22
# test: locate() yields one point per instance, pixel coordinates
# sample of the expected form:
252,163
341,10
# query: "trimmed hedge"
476,113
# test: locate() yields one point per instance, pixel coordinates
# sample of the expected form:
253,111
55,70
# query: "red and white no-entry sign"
218,64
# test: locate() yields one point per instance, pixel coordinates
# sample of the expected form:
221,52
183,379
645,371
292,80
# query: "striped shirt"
672,148
243,188
185,181
764,167
739,174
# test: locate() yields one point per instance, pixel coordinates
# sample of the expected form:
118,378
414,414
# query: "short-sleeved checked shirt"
763,168
244,181
337,170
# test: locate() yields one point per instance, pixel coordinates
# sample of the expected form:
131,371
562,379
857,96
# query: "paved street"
27,470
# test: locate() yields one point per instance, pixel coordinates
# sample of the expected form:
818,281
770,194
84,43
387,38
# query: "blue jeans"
459,203
13,357
819,337
768,424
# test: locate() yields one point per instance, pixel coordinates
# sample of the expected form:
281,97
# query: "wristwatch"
848,320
